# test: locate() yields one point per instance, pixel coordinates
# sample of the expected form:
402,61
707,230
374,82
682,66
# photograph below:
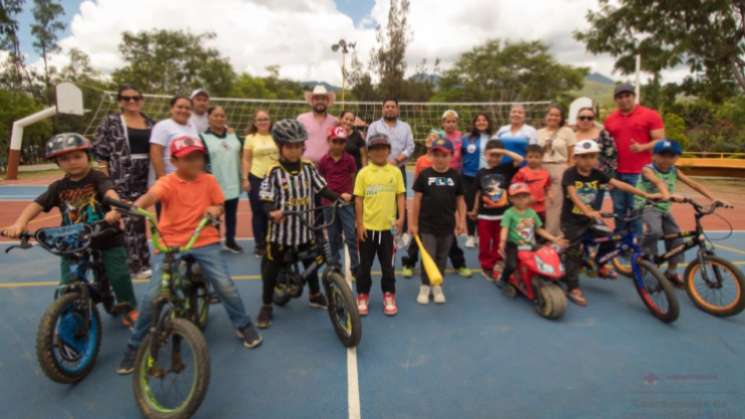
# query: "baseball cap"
624,88
337,133
442,144
377,140
586,147
668,146
183,145
518,188
199,92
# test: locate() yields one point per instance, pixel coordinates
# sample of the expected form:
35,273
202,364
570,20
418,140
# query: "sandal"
577,297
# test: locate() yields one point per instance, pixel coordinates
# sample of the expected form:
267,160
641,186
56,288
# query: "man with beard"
318,122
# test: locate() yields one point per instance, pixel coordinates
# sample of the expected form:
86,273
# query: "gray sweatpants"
660,224
438,247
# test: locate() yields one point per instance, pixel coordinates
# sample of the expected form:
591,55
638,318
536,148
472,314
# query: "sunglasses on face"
130,98
586,118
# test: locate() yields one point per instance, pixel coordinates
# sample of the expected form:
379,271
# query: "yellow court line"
731,249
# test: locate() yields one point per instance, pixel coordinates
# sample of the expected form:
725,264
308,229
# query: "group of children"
508,207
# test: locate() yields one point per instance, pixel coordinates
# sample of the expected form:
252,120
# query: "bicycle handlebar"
702,210
333,207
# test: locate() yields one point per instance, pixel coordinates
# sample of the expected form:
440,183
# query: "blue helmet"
668,147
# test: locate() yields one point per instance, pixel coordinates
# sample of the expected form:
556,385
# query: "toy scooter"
536,277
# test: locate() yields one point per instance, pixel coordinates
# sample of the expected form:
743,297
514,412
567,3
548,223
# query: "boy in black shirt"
491,202
582,183
438,210
79,196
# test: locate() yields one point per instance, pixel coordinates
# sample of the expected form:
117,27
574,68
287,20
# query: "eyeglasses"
130,98
586,118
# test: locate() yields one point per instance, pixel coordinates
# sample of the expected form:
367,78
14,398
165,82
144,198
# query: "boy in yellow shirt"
379,195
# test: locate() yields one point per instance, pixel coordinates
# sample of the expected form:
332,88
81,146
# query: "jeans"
623,202
231,214
438,247
660,224
215,270
259,217
344,222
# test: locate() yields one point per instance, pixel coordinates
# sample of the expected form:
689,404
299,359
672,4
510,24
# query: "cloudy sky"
297,34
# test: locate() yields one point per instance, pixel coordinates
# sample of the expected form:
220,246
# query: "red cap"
518,188
337,132
183,145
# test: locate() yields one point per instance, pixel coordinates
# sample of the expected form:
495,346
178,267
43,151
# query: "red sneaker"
362,304
389,304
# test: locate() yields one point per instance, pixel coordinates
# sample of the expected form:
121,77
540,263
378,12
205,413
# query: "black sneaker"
233,247
264,320
127,366
260,251
318,300
250,336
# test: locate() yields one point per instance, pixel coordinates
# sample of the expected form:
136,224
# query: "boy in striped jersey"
291,185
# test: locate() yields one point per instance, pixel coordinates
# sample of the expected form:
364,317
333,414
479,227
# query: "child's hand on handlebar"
655,197
677,198
112,217
214,211
596,215
276,215
346,197
725,204
561,242
13,231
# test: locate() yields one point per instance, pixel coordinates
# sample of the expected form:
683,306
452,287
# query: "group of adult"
134,150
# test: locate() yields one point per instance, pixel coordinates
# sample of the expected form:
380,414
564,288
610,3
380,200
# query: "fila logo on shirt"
440,181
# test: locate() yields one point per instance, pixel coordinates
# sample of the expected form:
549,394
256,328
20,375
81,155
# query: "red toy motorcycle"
536,277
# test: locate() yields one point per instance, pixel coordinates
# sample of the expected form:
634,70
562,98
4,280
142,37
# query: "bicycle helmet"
289,131
65,143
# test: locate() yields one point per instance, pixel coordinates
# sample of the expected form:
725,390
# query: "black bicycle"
69,334
714,284
342,307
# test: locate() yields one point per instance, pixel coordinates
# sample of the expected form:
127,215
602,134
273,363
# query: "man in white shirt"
200,102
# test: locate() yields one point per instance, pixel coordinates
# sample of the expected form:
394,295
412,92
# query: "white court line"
353,384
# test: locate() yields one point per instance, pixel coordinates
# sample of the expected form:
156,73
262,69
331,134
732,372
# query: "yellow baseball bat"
430,267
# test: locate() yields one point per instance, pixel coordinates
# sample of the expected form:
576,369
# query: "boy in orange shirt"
536,177
186,196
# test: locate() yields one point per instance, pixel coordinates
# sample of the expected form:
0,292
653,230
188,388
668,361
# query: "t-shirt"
81,202
164,132
471,155
224,153
670,178
183,205
424,161
317,146
440,192
456,137
635,125
493,184
521,226
379,187
199,122
355,145
339,174
587,188
139,140
264,153
560,141
538,181
516,142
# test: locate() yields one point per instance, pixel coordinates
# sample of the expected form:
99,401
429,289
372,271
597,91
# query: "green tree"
708,36
45,32
163,61
9,41
509,71
15,104
388,58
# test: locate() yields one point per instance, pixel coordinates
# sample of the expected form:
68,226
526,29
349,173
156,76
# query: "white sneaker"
423,297
437,295
470,242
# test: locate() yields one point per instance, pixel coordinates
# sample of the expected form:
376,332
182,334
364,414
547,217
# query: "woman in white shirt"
165,131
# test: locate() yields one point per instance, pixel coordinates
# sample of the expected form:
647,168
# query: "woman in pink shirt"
450,125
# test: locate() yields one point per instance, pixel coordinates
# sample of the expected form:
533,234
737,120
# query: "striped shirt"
292,191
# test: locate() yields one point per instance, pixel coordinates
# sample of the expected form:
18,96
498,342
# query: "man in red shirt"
635,129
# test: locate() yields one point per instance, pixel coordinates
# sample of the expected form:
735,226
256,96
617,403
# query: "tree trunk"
737,70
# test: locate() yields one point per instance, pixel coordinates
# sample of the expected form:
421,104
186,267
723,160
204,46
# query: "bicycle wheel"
170,381
200,304
342,310
656,292
68,339
720,291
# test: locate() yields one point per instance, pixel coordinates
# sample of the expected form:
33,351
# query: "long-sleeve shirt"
400,136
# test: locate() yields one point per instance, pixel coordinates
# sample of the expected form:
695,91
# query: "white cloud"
297,34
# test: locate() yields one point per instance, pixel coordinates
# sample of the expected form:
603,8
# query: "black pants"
231,219
469,189
276,258
457,258
259,217
510,261
406,218
573,256
378,243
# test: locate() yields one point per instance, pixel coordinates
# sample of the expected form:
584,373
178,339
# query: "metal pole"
343,75
16,139
638,78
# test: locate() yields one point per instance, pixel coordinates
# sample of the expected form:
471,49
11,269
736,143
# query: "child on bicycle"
79,196
662,176
491,202
338,168
379,195
186,196
291,185
438,209
582,183
520,224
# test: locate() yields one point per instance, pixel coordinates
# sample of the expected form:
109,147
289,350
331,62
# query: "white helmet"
586,147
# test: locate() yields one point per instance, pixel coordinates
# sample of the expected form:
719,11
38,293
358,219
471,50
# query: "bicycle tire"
340,301
46,341
735,307
673,310
150,408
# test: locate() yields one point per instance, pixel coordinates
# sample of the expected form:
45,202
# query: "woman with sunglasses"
122,144
356,145
587,129
558,142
